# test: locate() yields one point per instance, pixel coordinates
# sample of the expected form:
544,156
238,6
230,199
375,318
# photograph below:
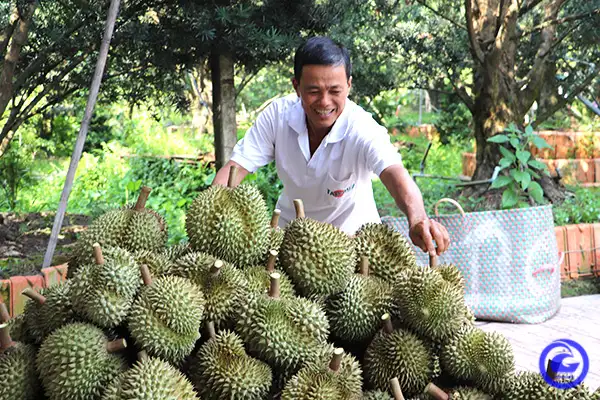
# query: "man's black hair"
321,50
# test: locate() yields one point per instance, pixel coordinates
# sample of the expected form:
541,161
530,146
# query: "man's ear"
349,83
295,83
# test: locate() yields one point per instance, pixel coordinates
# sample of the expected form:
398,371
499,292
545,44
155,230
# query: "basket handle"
550,267
451,201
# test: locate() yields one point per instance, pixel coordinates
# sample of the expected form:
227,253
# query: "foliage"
454,121
580,208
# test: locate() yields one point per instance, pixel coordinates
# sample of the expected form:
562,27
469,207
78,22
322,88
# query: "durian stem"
33,295
232,176
435,392
146,276
142,355
98,254
336,360
299,208
210,327
364,265
4,314
5,339
216,268
274,291
433,261
396,390
271,261
275,218
387,323
116,345
142,198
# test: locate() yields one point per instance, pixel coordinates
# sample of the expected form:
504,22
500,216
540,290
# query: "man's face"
323,90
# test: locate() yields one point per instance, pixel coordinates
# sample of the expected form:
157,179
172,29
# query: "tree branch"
7,32
562,20
439,14
529,6
475,46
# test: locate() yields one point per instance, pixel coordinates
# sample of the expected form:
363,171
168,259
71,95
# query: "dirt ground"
24,239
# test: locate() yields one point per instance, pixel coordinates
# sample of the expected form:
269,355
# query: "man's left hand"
425,232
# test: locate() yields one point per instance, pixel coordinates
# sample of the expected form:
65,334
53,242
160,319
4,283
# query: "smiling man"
326,149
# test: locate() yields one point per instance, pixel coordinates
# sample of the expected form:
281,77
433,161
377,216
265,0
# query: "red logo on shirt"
339,193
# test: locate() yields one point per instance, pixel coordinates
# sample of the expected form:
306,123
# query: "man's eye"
335,92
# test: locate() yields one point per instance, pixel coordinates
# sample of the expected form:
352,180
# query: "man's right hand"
222,176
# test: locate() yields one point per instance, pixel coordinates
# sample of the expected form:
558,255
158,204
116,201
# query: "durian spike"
98,254
216,268
142,355
299,208
435,392
4,314
433,261
272,259
364,265
549,371
116,345
275,218
5,339
232,176
336,359
210,328
142,198
274,291
33,295
387,323
395,387
146,276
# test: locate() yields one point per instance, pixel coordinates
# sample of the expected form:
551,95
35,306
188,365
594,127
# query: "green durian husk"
158,263
528,385
73,363
222,370
355,313
377,395
17,329
172,253
387,250
225,292
18,374
40,320
165,318
230,223
452,274
151,379
259,281
316,380
318,257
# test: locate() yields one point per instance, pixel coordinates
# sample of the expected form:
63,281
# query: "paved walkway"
578,320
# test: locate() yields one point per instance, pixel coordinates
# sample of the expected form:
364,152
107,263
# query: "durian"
337,377
354,313
225,287
376,395
158,262
276,234
176,251
398,353
103,292
230,223
18,375
469,393
528,385
318,257
259,279
151,379
165,318
387,250
222,370
77,361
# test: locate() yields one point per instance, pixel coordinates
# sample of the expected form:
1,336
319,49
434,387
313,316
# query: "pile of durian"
246,310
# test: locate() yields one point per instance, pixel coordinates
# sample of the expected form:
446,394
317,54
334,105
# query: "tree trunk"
199,97
223,106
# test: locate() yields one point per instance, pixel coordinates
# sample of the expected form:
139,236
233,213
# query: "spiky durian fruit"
469,393
259,277
388,251
398,353
132,227
376,395
18,375
484,358
16,327
166,316
222,370
276,234
333,375
231,223
151,379
48,309
452,274
430,305
225,287
284,332
354,313
176,251
77,361
103,292
158,263
318,257
528,385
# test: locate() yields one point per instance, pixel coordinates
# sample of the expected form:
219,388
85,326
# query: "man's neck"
315,137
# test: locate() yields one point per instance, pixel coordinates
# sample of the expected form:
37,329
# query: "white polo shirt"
335,183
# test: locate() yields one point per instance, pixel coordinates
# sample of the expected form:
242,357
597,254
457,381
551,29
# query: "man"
326,149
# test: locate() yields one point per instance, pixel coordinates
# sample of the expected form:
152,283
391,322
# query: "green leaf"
523,156
537,164
539,142
181,202
522,204
505,162
501,181
508,154
498,139
519,175
529,130
536,191
525,181
514,142
509,198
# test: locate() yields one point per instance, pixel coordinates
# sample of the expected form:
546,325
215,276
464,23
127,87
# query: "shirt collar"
297,121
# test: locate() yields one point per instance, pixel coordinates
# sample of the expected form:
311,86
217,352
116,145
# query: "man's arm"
222,176
408,198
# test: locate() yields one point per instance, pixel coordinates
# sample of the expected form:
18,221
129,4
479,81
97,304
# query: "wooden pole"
87,117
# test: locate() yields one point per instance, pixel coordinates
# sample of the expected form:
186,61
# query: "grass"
580,287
